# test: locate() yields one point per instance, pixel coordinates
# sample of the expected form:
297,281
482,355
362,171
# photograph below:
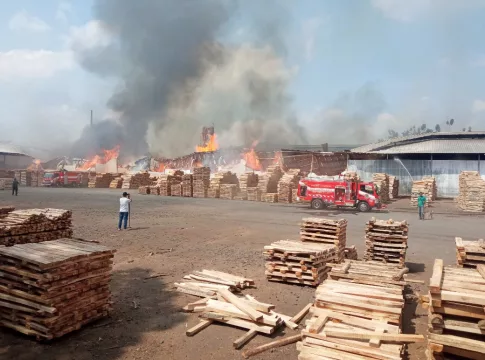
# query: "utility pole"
91,118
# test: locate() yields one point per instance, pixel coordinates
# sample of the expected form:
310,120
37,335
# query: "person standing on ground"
15,187
124,210
421,202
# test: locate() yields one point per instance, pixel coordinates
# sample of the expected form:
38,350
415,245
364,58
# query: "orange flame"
35,166
108,155
211,145
161,167
252,159
278,158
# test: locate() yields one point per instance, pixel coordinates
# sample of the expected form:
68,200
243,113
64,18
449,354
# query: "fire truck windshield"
367,189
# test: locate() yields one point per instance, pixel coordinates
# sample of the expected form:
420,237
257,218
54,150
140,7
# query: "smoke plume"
176,76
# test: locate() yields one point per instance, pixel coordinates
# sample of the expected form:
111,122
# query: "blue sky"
385,63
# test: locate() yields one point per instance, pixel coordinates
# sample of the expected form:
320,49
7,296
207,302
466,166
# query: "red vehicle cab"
62,178
322,193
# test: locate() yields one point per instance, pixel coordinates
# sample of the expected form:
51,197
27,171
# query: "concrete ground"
175,236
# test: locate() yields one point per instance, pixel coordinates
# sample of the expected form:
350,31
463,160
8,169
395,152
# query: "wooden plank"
458,342
244,324
481,270
375,341
435,281
301,314
239,342
277,343
404,338
199,327
319,323
241,305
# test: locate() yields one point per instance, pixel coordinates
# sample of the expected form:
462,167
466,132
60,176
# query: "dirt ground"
174,236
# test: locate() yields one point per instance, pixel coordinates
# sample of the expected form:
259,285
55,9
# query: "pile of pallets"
37,178
101,181
154,190
144,190
187,185
386,241
52,288
228,191
472,192
26,178
246,180
254,194
381,180
6,184
470,253
165,182
427,186
268,182
456,312
35,225
326,231
298,262
134,181
176,190
201,182
269,197
116,183
287,183
5,210
393,187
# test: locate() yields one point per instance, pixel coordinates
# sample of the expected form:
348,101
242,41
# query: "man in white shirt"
124,210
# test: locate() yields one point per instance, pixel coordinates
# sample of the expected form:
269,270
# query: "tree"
437,128
469,129
464,129
452,121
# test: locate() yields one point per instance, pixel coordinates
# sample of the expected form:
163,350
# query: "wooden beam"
405,338
298,317
199,327
375,341
282,342
239,342
435,281
241,305
481,270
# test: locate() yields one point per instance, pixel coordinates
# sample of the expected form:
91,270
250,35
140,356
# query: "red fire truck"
62,178
322,193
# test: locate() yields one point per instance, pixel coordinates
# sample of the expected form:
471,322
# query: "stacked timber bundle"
187,185
201,182
217,180
165,182
268,182
381,180
214,192
294,196
371,272
37,178
427,186
456,314
246,181
144,190
26,178
350,253
472,192
4,210
287,183
327,231
228,191
18,175
35,225
53,288
269,197
154,190
254,194
134,181
8,174
393,187
176,190
6,184
116,183
386,241
298,262
351,176
470,253
101,181
200,189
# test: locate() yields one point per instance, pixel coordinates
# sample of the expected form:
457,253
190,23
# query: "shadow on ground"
141,306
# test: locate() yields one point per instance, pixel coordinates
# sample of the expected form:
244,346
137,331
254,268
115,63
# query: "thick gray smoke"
175,77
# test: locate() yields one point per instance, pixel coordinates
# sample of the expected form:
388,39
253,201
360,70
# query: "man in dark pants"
124,210
421,202
15,187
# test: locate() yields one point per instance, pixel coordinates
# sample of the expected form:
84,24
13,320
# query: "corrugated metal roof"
8,148
451,142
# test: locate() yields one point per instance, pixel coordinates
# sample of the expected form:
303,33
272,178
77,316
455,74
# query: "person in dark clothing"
15,187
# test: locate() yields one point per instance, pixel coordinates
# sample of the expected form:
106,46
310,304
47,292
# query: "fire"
161,167
35,166
111,154
278,159
252,159
108,154
211,145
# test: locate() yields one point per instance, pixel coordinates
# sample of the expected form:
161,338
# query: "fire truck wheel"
363,206
317,204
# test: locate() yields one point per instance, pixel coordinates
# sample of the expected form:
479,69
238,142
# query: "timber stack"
6,184
393,187
35,225
427,186
382,182
228,191
134,181
176,190
472,192
187,185
26,178
386,241
217,180
287,183
165,182
49,296
470,253
246,180
298,262
294,196
116,183
37,178
327,231
154,189
144,190
456,313
101,181
5,210
268,182
201,182
269,197
351,176
254,194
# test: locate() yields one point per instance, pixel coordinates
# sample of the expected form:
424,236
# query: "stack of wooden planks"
214,192
287,183
55,287
5,210
456,312
101,181
470,253
35,225
187,185
144,190
165,182
26,178
176,190
134,181
269,197
268,182
328,231
217,180
350,253
386,241
37,178
201,182
393,187
294,196
427,186
154,190
254,194
116,183
6,184
382,182
298,262
247,180
351,176
472,192
228,191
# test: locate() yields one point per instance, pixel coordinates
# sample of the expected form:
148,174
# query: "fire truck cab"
62,178
322,193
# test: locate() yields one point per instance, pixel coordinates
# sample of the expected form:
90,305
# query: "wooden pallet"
328,231
470,253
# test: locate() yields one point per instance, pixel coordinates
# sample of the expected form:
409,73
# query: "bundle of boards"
382,182
52,288
426,186
101,181
472,191
470,253
327,231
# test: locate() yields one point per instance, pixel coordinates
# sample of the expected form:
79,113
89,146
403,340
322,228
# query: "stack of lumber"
228,191
18,175
116,183
176,190
100,181
6,184
52,288
154,190
351,176
201,182
427,186
134,181
268,182
298,262
144,190
470,253
217,180
166,181
456,312
9,174
85,179
35,225
4,210
393,187
37,178
269,197
386,241
254,194
246,180
350,253
287,183
294,196
472,192
26,178
187,185
382,182
327,231
214,192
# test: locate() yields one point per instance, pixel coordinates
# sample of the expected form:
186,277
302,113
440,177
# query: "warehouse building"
442,155
13,157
